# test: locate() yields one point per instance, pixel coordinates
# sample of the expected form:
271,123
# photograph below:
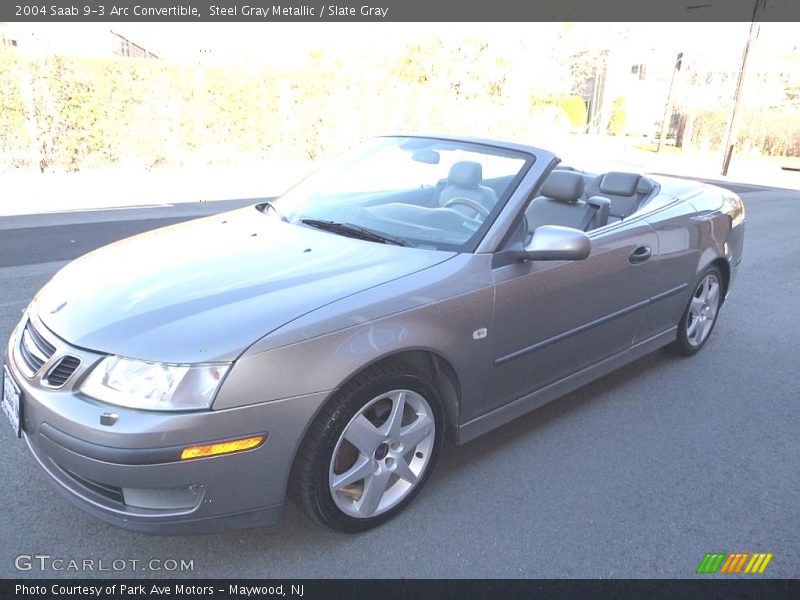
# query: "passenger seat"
561,204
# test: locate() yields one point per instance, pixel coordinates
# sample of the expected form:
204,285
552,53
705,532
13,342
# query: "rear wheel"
700,315
370,450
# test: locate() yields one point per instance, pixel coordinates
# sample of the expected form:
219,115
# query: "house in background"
77,40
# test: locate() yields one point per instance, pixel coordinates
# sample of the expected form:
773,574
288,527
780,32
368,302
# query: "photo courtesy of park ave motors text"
275,297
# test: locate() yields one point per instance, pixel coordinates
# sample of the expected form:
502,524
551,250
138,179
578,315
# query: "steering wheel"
474,205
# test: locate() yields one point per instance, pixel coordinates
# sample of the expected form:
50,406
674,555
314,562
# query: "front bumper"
129,474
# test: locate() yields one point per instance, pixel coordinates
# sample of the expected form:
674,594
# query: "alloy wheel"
703,310
382,453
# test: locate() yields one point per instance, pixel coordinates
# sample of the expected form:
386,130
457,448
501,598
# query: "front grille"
34,349
62,371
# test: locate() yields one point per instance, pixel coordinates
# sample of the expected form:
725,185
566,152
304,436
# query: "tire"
350,487
701,314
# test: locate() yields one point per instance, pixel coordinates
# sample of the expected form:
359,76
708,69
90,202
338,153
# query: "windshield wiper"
269,205
355,231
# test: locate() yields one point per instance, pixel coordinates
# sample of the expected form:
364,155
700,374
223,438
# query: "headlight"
734,206
153,386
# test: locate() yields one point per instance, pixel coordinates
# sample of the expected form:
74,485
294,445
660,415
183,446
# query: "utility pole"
730,135
667,120
596,108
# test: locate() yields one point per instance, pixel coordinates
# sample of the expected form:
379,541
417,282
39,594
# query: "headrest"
465,173
619,184
565,186
645,186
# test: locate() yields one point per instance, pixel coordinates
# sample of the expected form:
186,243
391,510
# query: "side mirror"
553,242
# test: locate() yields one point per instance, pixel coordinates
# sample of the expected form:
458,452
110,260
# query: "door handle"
640,254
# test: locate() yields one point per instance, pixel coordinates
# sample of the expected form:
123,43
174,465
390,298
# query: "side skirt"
504,414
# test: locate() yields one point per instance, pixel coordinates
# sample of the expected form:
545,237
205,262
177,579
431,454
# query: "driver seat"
464,181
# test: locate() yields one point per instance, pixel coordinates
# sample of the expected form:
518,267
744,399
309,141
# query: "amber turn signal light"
226,447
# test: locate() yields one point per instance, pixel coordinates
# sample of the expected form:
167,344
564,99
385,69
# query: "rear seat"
626,191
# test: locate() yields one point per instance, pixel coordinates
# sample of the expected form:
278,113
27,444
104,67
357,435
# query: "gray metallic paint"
209,290
195,292
553,242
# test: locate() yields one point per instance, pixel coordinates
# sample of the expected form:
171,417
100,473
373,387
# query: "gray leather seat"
464,181
561,204
626,191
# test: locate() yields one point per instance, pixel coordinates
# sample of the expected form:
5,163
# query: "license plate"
11,402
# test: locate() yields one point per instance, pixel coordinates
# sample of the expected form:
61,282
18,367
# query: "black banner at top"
397,10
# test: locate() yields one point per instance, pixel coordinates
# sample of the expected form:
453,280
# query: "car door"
555,318
681,234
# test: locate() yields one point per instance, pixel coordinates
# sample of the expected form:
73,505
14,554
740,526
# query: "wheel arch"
725,269
442,375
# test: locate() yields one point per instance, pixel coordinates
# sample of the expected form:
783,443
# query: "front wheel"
370,450
700,315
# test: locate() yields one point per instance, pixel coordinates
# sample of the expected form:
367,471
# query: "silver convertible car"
323,345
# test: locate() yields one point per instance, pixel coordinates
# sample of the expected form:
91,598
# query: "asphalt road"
636,475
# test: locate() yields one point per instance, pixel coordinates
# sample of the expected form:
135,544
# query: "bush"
573,107
770,133
616,123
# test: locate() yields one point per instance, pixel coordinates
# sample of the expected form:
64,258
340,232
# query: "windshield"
421,192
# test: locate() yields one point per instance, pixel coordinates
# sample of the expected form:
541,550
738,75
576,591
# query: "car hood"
205,290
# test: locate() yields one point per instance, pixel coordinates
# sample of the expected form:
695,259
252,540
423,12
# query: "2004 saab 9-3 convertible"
323,345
